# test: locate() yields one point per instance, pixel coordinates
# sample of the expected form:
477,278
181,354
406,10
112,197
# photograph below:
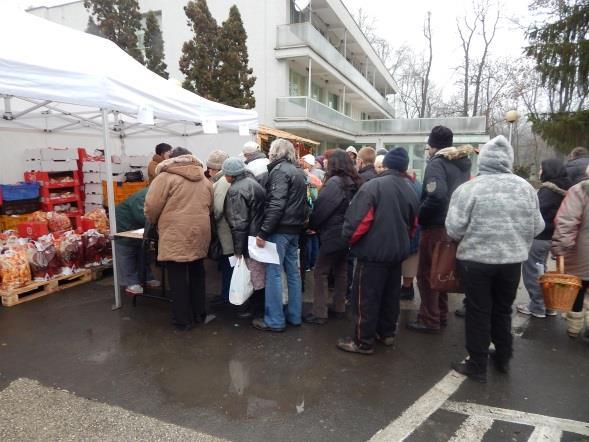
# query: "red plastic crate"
32,229
44,179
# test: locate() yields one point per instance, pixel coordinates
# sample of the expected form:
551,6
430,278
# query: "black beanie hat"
440,137
396,159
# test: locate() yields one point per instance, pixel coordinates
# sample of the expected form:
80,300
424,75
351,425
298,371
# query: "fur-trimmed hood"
454,153
187,166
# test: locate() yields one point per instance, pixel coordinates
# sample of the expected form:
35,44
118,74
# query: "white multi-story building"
317,74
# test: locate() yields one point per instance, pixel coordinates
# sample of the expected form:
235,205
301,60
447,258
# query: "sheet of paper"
267,254
139,231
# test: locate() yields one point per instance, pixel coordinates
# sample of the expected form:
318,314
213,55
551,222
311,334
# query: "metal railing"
305,108
305,34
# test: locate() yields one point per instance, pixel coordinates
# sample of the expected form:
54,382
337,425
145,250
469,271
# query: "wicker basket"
559,289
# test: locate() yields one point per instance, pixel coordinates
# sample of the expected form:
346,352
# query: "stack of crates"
17,201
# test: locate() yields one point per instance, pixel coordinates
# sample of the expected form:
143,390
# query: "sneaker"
525,310
348,344
407,293
501,365
420,327
551,312
134,289
469,369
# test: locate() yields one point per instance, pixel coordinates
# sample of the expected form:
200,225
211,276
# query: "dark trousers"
187,287
578,305
338,263
433,310
312,251
377,295
226,274
490,291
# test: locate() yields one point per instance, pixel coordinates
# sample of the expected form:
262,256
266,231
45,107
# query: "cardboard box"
93,189
94,199
89,207
91,166
55,154
92,177
33,154
33,166
59,166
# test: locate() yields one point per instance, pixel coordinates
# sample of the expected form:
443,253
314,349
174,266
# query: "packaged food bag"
58,222
100,220
14,269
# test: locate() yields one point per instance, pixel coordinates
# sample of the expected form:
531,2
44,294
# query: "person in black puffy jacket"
577,163
342,183
244,210
378,226
553,189
285,213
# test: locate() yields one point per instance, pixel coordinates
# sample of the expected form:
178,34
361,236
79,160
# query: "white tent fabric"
45,62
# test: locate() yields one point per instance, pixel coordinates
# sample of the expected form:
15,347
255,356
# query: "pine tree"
199,62
560,49
235,77
154,46
119,21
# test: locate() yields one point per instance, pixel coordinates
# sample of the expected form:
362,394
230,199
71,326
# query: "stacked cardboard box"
94,174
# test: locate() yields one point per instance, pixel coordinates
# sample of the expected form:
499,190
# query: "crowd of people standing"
362,223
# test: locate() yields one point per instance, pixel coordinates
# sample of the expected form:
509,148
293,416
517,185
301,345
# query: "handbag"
443,276
241,287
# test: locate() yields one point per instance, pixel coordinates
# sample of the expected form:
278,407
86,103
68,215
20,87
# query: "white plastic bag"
241,287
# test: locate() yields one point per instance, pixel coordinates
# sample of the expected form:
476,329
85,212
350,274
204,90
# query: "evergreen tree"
119,21
235,77
154,46
199,62
560,49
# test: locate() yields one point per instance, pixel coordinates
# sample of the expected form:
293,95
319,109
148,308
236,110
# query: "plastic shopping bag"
241,287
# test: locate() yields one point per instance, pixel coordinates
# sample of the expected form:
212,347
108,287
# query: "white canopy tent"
83,81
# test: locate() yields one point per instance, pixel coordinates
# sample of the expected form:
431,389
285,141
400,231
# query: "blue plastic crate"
21,191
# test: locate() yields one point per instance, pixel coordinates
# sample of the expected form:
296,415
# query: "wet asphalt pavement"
229,381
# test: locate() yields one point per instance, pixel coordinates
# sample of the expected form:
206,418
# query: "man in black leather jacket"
285,214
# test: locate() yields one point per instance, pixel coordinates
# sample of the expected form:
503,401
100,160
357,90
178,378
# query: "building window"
297,84
316,93
348,109
333,101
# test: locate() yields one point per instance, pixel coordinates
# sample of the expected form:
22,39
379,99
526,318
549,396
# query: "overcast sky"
402,21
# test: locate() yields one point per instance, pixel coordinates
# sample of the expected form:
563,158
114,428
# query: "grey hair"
281,148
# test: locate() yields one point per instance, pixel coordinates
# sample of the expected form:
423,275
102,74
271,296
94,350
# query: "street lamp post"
511,117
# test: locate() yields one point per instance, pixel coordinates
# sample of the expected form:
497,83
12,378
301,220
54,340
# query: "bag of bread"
70,251
38,217
14,269
58,222
43,259
95,247
100,220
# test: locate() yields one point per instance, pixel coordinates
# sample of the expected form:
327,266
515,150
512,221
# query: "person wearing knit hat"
244,210
215,163
397,159
447,168
494,218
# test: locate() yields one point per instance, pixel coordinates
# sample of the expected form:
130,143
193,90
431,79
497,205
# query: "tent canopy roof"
46,61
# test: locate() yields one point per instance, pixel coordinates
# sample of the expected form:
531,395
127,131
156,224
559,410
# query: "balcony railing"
305,108
305,34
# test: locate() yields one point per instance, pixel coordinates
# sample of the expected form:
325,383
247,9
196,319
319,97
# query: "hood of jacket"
157,158
554,171
496,157
187,166
458,155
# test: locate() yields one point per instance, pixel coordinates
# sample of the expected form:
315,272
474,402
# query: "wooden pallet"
37,290
100,272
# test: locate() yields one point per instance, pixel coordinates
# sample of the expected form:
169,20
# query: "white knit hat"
352,149
250,147
309,159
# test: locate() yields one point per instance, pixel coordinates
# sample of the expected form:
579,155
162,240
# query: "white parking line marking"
519,417
421,410
473,428
545,434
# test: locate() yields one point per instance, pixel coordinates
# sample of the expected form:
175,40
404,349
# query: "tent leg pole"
111,205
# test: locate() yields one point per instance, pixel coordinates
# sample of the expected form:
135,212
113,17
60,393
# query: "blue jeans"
287,246
312,250
531,270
